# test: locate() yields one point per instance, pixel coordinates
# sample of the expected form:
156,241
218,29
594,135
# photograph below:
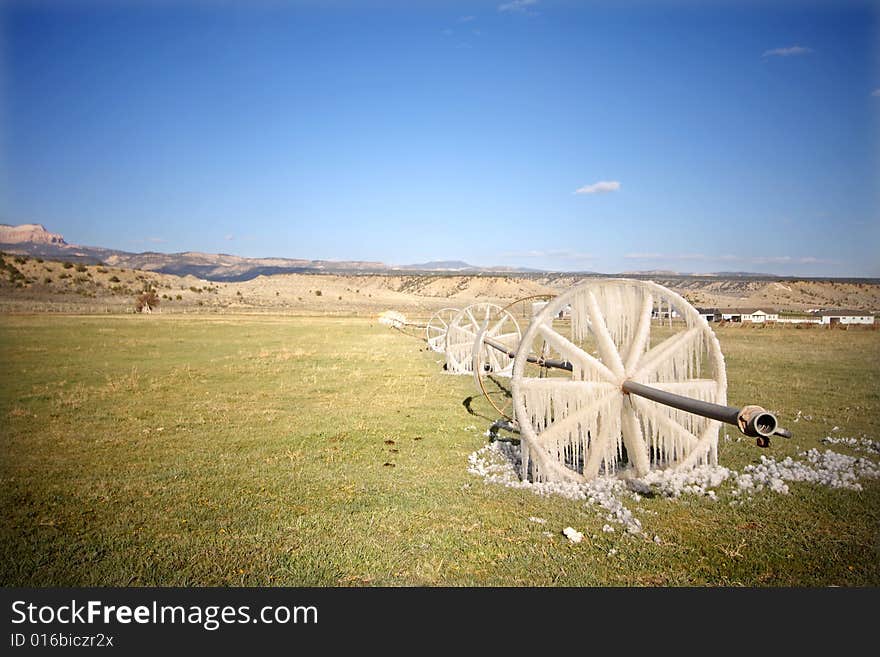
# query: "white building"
756,315
833,317
799,320
709,314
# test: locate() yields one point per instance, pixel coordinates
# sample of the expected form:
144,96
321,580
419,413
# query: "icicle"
580,318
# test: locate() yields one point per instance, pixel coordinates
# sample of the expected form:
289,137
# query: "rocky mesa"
29,234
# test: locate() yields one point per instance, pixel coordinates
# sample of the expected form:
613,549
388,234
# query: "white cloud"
517,5
446,32
156,240
466,19
787,52
601,187
229,238
876,93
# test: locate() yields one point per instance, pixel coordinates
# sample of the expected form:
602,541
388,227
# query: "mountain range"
35,240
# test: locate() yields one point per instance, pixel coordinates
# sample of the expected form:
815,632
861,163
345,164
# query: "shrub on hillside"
146,301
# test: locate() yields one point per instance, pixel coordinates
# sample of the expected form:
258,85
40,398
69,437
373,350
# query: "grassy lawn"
191,451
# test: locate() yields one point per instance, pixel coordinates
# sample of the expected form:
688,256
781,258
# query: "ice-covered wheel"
435,331
499,325
576,424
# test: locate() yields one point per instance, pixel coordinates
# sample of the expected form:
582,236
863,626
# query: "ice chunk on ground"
573,535
499,463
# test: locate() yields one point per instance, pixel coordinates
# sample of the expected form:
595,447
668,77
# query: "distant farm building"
799,320
755,315
834,317
710,314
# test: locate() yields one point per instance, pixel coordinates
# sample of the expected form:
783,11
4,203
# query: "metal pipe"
543,362
753,421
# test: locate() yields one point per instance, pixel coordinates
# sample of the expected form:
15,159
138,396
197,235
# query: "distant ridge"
716,274
440,265
35,240
459,266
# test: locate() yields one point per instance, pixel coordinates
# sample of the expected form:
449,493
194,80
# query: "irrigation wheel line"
577,424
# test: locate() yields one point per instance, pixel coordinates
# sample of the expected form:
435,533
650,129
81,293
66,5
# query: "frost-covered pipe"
544,362
753,421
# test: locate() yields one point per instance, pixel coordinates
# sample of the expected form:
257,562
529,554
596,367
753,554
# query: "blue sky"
716,136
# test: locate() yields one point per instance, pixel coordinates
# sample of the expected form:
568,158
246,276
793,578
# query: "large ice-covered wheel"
435,331
577,424
495,323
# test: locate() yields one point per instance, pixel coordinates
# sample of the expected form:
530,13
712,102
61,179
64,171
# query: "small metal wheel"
577,424
496,392
439,323
498,324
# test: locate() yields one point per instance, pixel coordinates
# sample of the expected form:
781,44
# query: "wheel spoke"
655,414
497,326
634,439
607,348
575,354
494,362
492,358
599,445
664,351
579,416
473,319
643,334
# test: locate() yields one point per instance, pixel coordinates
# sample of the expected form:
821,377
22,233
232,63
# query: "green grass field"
262,451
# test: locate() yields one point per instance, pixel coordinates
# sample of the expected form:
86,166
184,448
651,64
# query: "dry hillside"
34,284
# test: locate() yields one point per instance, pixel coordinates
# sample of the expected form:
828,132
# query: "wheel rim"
579,424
